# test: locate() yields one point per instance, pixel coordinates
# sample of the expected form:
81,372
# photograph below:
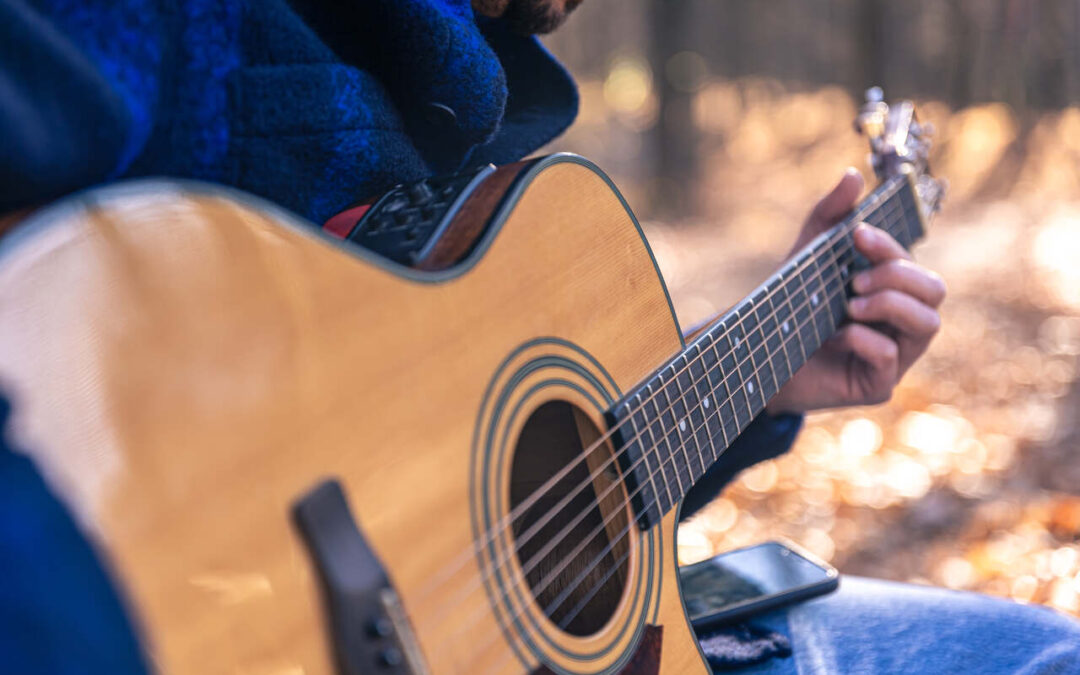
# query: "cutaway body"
186,363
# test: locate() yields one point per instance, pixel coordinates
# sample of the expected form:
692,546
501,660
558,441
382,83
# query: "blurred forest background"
724,120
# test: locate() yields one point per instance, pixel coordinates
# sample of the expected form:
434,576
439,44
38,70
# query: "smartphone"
748,581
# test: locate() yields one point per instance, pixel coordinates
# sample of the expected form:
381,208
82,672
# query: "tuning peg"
921,130
872,116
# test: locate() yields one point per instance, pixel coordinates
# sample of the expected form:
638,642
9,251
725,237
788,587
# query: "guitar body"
185,363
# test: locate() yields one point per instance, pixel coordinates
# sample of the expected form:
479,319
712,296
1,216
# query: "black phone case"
740,611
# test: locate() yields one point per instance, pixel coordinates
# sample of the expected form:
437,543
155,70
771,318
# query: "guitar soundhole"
574,555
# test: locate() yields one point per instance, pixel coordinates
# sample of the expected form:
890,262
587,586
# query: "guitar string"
583,602
783,346
526,536
533,529
537,558
872,204
828,238
620,509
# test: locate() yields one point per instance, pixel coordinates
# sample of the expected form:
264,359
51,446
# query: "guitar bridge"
371,633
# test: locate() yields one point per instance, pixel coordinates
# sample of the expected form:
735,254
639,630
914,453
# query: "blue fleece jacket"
311,104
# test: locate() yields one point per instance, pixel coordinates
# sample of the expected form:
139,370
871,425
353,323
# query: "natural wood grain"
184,367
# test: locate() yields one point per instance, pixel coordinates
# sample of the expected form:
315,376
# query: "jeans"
871,626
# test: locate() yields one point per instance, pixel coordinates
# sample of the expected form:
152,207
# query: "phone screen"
747,576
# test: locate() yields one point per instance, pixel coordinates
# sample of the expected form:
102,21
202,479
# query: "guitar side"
185,365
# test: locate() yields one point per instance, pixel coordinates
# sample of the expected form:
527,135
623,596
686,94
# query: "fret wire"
770,365
774,332
691,407
652,479
670,426
724,431
729,371
701,394
908,199
680,414
698,409
660,457
753,387
738,342
809,276
667,440
687,405
894,206
746,368
823,318
802,304
903,216
726,401
710,362
793,330
763,333
898,197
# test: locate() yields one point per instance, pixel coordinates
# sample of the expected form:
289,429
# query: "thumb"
838,202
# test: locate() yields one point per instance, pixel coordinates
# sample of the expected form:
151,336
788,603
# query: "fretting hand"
893,317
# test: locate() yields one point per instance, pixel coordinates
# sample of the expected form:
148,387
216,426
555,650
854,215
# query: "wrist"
779,407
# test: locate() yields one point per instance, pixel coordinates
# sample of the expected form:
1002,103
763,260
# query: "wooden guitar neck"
675,424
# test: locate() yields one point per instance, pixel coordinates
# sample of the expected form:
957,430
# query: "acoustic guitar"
447,433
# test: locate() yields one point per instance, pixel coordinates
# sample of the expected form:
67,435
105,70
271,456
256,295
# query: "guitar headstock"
900,144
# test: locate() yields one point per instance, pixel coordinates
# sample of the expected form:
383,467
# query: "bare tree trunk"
674,137
870,32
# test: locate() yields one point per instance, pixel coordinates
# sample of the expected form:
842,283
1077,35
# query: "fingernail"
857,305
860,282
851,171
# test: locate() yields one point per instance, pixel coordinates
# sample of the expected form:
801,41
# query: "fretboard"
674,426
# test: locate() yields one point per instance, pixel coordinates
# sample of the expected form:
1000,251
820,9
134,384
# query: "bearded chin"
490,7
531,17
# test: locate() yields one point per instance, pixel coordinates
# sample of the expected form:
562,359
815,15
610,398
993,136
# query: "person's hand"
893,317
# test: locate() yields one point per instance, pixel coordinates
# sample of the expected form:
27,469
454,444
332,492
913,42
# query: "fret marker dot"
705,401
682,425
737,340
750,387
786,327
814,299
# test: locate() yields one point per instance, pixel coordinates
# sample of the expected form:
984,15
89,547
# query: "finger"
879,351
878,245
897,309
839,201
904,276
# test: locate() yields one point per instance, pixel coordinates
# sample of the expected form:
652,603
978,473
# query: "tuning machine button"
379,627
390,657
